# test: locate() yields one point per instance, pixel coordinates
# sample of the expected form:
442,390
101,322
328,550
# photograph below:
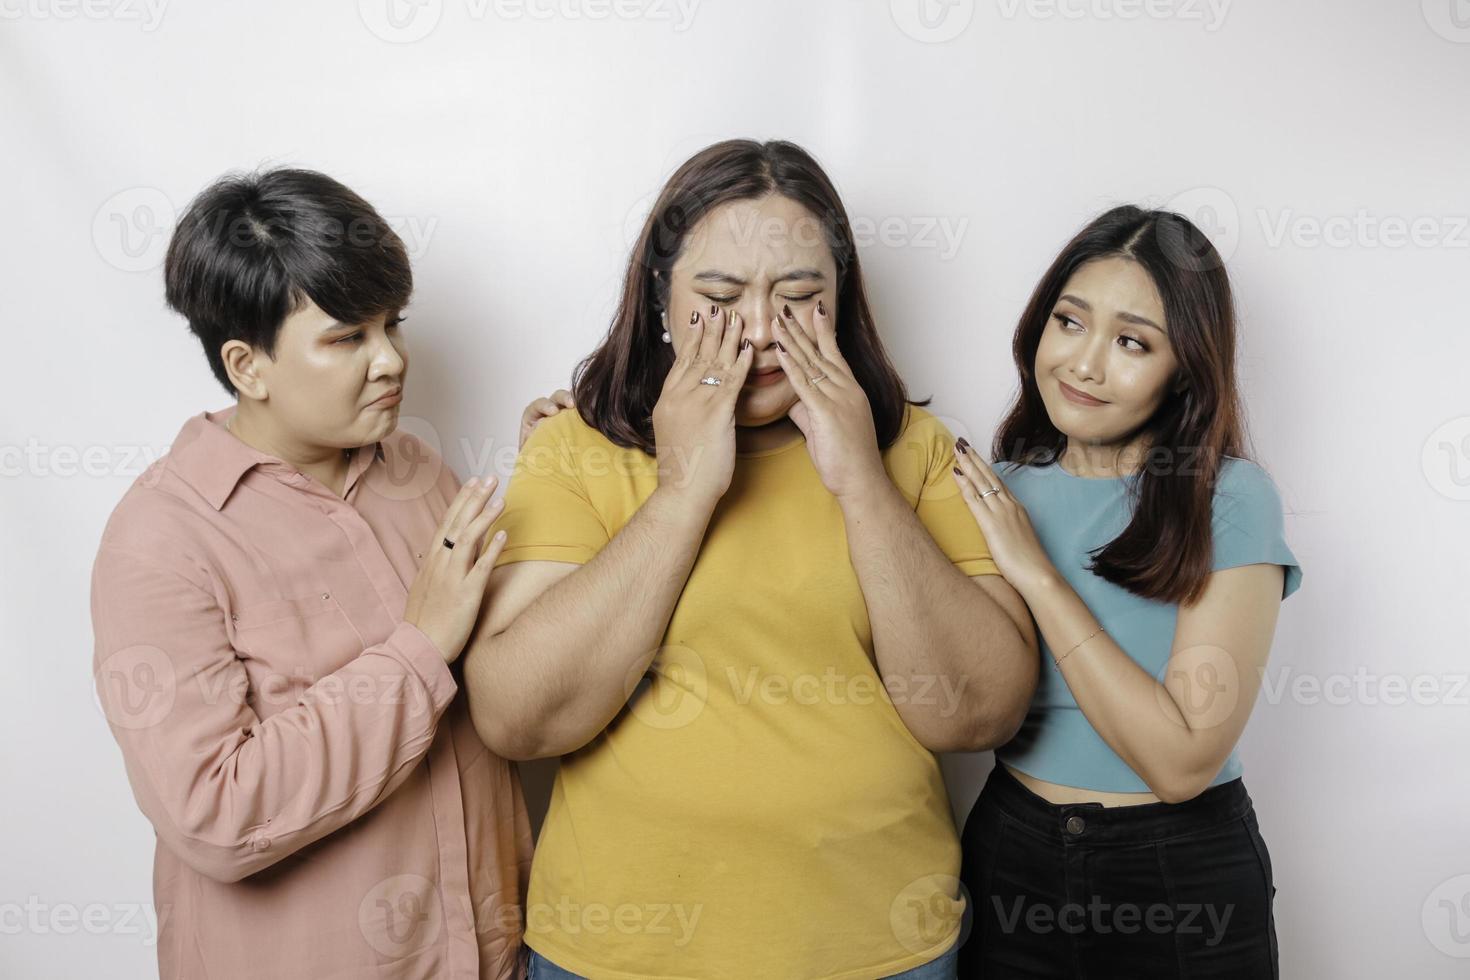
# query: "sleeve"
548,515
1248,526
924,453
227,791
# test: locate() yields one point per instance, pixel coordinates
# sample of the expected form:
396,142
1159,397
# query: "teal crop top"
1073,517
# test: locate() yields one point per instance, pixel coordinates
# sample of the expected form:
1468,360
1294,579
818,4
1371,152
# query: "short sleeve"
922,458
1248,524
548,515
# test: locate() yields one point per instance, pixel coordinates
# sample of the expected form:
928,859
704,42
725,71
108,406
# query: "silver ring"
989,492
820,377
710,380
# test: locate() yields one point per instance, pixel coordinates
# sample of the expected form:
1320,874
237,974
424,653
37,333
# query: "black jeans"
1093,892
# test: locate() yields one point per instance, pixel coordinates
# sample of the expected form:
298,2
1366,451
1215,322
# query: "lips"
390,396
769,376
1079,396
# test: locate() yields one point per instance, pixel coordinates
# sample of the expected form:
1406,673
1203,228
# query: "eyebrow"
713,275
1122,314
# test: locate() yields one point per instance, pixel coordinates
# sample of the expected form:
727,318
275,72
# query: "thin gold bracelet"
1057,662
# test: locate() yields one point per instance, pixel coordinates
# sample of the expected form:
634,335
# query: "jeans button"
1075,824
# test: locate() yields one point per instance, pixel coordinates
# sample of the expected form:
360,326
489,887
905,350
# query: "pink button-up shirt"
322,804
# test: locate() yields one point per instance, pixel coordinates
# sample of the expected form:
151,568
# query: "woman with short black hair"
279,604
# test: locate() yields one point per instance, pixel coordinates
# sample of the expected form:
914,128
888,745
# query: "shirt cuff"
416,650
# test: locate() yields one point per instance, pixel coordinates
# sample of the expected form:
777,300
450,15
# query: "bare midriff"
1059,794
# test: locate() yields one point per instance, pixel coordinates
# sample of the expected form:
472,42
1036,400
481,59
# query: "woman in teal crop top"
1115,836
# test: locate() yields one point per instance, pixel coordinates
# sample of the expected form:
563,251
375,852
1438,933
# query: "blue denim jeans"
940,969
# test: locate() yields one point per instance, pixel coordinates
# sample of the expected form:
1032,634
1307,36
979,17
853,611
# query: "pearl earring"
664,316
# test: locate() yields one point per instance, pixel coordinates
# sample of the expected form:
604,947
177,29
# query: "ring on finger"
989,492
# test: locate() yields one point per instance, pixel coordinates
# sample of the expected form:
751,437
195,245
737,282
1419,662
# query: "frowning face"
748,259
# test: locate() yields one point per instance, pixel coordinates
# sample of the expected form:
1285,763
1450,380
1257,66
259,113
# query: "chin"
754,416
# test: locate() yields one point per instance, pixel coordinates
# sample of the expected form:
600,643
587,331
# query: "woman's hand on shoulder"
542,408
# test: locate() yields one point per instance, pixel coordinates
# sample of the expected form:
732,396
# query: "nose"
1089,356
757,314
387,361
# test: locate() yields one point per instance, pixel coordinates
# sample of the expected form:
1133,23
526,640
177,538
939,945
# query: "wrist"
873,491
683,504
1041,585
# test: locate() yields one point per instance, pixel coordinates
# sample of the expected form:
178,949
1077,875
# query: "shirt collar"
212,460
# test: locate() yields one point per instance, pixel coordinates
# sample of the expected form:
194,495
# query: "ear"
242,366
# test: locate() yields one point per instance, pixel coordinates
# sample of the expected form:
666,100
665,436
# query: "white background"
516,148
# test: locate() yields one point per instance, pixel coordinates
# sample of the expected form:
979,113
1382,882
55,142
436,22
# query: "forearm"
957,667
558,674
1133,713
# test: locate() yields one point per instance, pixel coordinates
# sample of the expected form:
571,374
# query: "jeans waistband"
1098,824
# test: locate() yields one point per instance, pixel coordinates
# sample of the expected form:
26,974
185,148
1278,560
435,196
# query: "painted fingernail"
693,317
714,309
962,445
780,347
821,310
787,311
957,471
745,345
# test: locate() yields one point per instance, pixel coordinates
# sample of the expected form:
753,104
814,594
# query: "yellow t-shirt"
759,809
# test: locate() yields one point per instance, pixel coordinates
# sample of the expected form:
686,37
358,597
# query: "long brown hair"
617,385
1165,551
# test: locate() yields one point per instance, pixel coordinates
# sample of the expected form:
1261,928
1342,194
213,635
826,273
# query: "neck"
325,464
772,435
1101,460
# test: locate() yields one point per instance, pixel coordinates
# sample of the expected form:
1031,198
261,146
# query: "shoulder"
922,436
566,428
1246,494
920,452
566,445
161,521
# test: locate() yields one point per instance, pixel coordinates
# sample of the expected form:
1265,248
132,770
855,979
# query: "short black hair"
252,248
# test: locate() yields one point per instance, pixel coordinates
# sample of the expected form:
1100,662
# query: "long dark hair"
1165,551
617,385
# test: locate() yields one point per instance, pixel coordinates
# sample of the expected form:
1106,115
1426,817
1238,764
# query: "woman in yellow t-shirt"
743,600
